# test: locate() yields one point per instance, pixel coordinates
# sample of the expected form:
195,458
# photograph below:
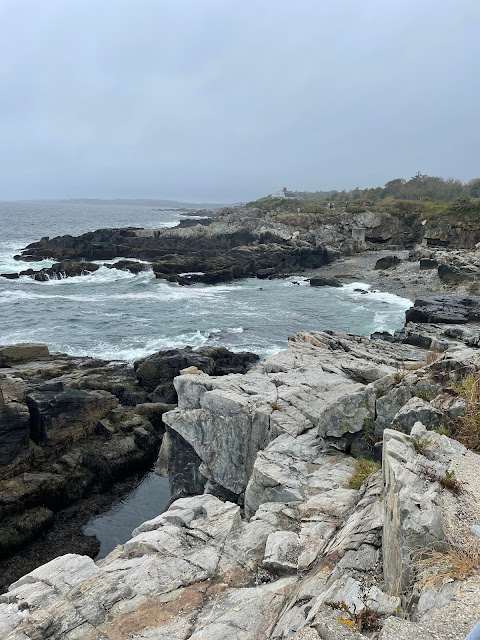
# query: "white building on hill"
286,195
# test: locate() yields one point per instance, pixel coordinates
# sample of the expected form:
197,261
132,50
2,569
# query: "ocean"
116,315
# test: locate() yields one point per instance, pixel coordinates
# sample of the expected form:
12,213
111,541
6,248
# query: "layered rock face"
312,555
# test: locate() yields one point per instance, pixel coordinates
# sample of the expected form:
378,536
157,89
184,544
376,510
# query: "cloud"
223,100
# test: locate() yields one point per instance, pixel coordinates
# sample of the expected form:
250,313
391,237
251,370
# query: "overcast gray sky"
226,100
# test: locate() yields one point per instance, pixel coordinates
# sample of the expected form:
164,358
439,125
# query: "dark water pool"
115,526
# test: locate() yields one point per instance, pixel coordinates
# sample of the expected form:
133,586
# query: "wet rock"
388,262
129,265
60,414
453,276
325,282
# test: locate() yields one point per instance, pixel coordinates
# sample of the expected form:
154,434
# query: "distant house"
286,195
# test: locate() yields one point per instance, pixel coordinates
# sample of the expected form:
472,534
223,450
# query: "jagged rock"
444,310
320,383
416,410
156,372
129,265
281,552
413,513
59,413
294,469
427,263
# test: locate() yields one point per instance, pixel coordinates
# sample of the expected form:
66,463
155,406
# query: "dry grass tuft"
432,356
467,428
435,568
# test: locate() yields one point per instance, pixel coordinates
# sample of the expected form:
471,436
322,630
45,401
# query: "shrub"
450,482
363,468
421,446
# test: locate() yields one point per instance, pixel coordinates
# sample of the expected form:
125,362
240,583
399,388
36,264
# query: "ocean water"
116,315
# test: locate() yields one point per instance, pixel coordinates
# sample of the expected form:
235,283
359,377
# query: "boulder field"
294,532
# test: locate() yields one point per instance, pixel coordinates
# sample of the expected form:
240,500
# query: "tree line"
419,187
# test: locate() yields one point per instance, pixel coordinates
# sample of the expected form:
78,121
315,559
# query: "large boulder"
444,309
156,372
60,414
454,276
388,262
22,352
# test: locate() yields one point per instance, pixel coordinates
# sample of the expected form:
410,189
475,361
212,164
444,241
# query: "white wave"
382,296
379,321
104,275
227,330
115,260
298,280
133,351
9,265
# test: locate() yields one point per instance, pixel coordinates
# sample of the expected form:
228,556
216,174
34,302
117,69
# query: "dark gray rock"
388,262
453,276
444,309
156,373
325,282
14,420
58,414
426,263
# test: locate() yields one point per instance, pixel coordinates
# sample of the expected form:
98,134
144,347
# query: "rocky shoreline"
299,550
282,526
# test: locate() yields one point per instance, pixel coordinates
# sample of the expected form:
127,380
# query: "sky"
229,100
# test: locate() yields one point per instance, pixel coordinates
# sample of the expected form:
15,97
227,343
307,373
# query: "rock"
413,515
444,309
292,469
129,265
388,262
22,352
325,282
65,414
453,276
61,270
156,372
427,263
382,335
281,552
14,420
416,410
